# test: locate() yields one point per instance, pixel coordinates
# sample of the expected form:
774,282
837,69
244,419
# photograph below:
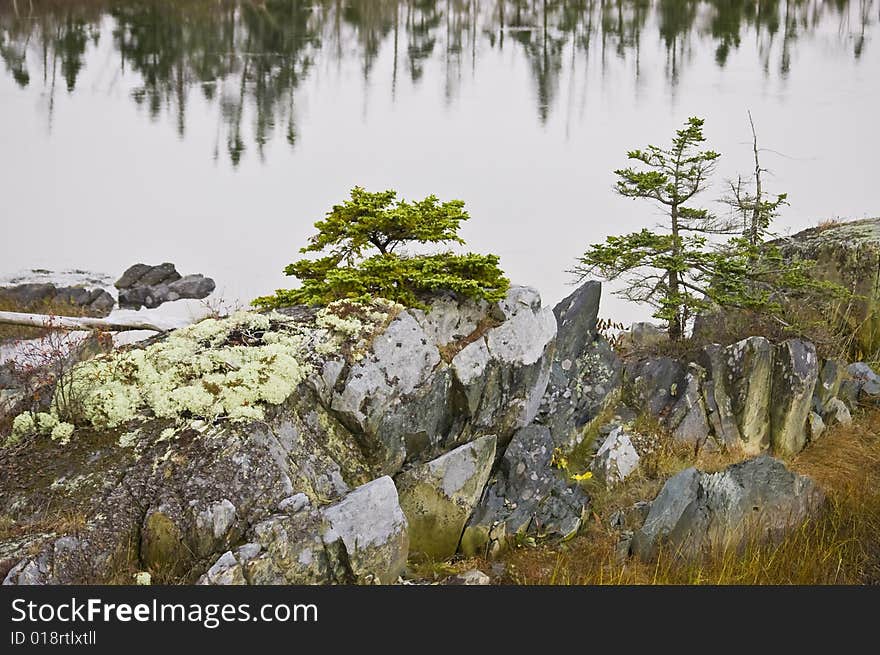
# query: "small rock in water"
148,286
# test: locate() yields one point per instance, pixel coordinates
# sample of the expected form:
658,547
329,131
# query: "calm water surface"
214,133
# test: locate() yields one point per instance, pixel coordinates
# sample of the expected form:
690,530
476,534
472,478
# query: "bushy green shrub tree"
363,242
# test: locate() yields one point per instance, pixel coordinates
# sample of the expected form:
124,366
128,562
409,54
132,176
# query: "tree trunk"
676,329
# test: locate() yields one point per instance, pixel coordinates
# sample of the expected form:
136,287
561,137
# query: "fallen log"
86,323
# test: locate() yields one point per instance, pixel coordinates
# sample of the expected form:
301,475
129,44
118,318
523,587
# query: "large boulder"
795,371
753,501
527,496
438,497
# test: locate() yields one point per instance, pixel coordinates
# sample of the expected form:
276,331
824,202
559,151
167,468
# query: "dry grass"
842,546
827,224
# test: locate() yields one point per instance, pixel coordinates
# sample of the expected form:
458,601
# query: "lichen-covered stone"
526,496
795,371
748,374
755,499
439,497
585,372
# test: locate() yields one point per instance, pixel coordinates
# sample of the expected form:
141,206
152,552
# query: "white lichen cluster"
230,368
40,423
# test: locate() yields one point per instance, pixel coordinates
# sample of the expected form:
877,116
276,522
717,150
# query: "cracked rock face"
438,378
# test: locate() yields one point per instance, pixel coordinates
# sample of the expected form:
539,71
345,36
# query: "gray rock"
758,499
868,381
151,286
371,524
672,392
439,497
378,387
749,368
192,286
815,426
795,371
831,376
361,539
687,418
527,496
144,275
132,275
576,318
668,517
225,571
836,411
616,458
718,403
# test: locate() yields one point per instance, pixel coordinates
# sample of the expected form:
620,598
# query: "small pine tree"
363,240
681,272
670,271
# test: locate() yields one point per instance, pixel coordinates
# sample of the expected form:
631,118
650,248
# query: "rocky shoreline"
461,430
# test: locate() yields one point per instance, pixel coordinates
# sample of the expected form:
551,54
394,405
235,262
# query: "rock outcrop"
441,406
847,254
756,500
585,373
148,286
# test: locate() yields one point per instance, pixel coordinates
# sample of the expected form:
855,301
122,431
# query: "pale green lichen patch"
229,368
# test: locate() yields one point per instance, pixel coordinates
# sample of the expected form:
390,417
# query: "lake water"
214,134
